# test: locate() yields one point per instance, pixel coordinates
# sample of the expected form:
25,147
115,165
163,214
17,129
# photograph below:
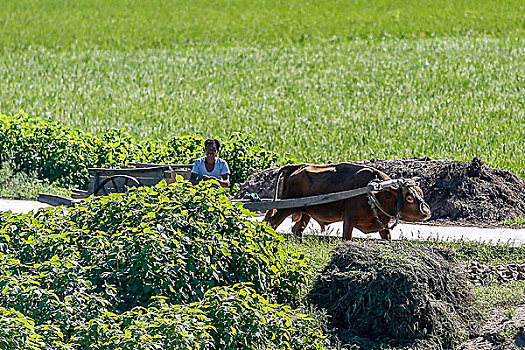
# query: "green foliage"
243,319
116,148
226,318
176,241
452,98
483,252
519,222
245,157
157,267
19,185
496,294
316,250
18,331
57,153
186,148
48,149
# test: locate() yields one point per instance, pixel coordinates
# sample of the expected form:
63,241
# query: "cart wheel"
116,184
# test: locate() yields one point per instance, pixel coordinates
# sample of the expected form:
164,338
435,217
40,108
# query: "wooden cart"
105,181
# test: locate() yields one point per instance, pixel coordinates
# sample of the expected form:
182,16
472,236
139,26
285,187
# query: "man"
211,166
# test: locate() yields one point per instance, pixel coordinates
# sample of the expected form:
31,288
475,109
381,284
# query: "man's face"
210,151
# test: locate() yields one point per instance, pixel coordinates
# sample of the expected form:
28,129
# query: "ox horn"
408,181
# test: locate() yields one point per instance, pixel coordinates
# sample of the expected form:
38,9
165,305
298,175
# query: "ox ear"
296,217
273,212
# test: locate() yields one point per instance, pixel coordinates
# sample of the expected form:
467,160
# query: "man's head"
211,147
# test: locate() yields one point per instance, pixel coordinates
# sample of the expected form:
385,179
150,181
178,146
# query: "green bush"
152,268
226,318
243,319
61,154
17,184
116,148
48,149
245,158
18,331
176,241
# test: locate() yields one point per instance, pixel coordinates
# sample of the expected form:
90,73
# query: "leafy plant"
176,241
19,185
53,152
127,270
48,149
235,317
519,222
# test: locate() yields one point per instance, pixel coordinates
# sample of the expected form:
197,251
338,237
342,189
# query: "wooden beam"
167,166
126,171
54,200
373,187
305,201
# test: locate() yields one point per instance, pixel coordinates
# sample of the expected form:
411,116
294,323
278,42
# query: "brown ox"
367,213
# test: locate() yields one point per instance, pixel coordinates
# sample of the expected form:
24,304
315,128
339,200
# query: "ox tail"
284,171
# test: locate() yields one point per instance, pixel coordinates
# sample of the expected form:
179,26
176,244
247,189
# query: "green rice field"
320,80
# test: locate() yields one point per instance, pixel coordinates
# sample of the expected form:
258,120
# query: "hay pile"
399,294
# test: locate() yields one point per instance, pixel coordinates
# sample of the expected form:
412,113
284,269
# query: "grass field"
321,80
167,23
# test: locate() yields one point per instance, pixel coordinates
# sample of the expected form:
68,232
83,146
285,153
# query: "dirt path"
20,206
492,235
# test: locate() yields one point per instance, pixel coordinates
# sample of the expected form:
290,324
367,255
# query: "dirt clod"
479,274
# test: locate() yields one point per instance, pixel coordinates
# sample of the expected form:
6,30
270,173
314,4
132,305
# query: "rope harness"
374,186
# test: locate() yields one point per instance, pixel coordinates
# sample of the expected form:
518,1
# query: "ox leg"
347,229
300,225
385,234
322,224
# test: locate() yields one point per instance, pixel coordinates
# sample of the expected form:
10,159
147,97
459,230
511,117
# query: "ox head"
410,203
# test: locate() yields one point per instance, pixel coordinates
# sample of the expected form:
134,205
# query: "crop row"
62,154
124,25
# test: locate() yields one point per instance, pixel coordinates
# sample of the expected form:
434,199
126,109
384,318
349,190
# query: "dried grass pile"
396,294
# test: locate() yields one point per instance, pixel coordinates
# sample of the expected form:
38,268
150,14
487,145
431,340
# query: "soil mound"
457,191
399,294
